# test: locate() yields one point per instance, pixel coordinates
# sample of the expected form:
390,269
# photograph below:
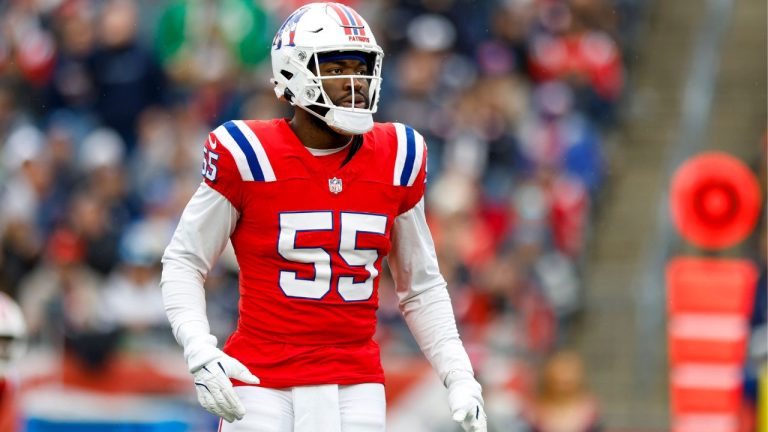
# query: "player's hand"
466,402
214,389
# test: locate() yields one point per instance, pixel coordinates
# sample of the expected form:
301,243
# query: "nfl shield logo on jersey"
334,185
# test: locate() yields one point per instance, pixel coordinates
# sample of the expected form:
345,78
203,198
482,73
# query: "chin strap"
349,123
342,121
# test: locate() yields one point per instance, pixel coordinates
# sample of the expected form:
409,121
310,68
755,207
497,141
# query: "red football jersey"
310,240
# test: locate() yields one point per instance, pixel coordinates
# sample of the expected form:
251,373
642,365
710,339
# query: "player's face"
340,90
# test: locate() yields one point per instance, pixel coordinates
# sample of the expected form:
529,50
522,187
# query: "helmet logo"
290,24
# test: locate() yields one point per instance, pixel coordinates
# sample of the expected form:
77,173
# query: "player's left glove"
466,401
212,370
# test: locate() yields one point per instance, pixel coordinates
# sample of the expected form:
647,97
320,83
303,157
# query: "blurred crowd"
105,105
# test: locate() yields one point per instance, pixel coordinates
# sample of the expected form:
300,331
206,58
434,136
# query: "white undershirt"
204,230
327,152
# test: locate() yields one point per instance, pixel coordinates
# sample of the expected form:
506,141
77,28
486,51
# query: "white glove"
466,401
212,370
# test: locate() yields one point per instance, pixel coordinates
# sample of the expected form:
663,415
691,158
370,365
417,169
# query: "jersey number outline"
210,170
351,224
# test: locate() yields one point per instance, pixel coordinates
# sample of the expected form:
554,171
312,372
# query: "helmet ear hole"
312,67
288,94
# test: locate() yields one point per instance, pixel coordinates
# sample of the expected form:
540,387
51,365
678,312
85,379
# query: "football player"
312,205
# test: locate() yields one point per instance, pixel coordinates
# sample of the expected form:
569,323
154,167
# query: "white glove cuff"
463,382
201,351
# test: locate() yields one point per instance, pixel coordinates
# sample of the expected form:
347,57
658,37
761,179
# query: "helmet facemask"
315,100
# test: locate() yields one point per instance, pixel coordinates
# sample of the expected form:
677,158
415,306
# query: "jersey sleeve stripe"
246,149
241,160
418,159
261,154
410,155
245,146
401,151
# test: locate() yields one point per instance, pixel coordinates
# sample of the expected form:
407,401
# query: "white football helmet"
13,334
319,28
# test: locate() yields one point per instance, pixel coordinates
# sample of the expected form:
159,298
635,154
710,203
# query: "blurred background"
554,127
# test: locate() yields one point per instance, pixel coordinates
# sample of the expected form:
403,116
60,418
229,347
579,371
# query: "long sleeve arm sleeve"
423,294
203,231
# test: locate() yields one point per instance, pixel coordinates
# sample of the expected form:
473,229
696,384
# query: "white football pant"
326,408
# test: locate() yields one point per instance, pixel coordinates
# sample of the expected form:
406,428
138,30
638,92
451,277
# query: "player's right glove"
466,401
212,369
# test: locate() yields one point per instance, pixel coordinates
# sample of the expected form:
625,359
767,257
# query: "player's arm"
201,235
426,306
203,231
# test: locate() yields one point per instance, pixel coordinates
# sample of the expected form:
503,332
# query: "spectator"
71,85
126,77
102,163
90,220
191,33
27,187
63,298
587,58
561,402
131,297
